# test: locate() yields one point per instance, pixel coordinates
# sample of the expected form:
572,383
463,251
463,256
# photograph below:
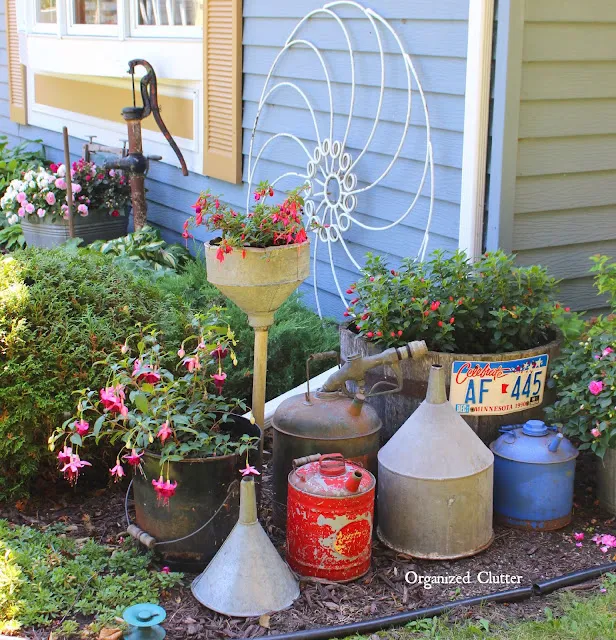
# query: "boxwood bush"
60,312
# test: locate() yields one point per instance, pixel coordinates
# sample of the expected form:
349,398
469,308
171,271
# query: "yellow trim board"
106,102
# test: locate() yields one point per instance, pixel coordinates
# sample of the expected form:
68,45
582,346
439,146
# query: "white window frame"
42,27
137,30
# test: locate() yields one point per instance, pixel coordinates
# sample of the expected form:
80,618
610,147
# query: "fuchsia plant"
144,406
268,225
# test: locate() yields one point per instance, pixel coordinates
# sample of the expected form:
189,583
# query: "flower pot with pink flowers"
259,259
585,382
491,324
167,420
39,202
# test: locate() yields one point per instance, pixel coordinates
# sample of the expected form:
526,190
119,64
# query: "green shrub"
60,312
297,333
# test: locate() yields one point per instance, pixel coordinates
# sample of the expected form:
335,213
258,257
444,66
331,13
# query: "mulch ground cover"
383,591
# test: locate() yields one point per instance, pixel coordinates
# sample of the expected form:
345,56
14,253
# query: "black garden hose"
511,595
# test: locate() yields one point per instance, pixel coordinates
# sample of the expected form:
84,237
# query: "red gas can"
330,510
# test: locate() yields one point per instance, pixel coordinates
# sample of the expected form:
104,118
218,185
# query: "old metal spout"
357,405
436,393
353,482
248,502
553,446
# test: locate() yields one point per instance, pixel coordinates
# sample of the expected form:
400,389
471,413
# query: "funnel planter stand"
97,225
258,281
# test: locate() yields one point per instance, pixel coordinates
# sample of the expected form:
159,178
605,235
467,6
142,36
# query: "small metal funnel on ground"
247,577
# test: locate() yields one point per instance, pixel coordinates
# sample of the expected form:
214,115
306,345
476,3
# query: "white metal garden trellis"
330,167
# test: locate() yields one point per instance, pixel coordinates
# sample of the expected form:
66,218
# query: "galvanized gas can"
534,470
330,511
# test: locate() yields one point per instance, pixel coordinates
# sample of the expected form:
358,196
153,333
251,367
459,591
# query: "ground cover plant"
15,161
492,305
60,312
49,580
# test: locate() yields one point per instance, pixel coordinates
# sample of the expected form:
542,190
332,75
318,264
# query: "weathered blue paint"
435,35
534,470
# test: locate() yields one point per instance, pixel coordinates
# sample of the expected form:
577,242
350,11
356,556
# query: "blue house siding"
434,34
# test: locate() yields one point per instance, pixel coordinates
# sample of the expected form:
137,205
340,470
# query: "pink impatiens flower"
60,183
21,197
71,468
579,536
134,458
607,351
164,432
118,471
83,209
595,432
50,197
164,490
81,426
595,387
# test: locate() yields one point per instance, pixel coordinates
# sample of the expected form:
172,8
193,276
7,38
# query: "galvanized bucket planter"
203,486
395,409
606,481
97,225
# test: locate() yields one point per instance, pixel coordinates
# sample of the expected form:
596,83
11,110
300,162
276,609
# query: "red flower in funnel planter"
132,411
268,225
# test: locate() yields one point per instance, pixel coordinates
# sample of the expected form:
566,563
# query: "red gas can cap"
331,475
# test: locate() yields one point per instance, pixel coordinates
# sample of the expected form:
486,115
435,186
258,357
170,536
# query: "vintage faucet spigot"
135,164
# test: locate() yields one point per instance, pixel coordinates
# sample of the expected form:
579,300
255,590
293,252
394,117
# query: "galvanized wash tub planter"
203,486
97,225
395,409
606,481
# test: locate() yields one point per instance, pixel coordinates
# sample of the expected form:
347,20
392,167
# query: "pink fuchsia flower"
144,373
29,208
595,387
124,348
113,399
164,432
607,351
579,536
164,490
81,426
50,198
60,183
40,213
83,209
134,458
118,471
219,381
71,468
220,353
21,197
65,455
249,470
192,363
595,433
181,353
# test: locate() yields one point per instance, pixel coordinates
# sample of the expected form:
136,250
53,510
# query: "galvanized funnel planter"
97,225
247,577
258,281
435,483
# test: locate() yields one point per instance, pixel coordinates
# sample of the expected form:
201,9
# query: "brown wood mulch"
383,591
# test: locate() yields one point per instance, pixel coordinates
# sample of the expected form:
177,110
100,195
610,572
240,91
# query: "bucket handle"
324,355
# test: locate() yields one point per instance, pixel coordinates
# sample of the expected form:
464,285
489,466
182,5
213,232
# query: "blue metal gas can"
534,469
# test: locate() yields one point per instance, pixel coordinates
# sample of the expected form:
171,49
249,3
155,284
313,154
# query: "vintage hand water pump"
135,164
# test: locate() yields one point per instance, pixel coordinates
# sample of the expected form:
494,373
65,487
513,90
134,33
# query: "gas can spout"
553,446
436,393
353,481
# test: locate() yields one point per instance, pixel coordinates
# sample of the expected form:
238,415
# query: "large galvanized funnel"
247,577
259,281
435,483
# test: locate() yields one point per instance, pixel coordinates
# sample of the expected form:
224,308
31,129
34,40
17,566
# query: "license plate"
498,388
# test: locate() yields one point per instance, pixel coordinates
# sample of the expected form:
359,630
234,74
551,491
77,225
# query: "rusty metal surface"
203,485
329,528
533,525
395,409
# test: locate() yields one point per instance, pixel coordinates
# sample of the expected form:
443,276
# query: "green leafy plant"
12,238
267,225
143,250
179,413
60,313
47,577
489,306
585,374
